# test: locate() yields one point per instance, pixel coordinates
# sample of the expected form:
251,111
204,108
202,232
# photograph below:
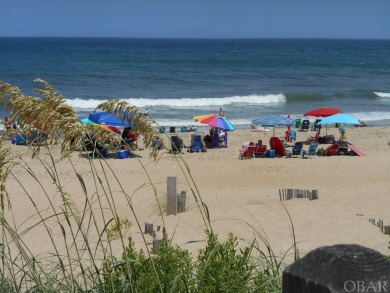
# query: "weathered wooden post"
171,196
338,268
156,244
314,195
181,202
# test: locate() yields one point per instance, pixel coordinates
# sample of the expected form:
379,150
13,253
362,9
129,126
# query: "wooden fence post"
171,196
181,202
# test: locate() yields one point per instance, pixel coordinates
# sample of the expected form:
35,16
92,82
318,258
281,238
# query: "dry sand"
241,195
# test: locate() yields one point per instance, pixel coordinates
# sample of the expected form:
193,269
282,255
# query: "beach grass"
82,233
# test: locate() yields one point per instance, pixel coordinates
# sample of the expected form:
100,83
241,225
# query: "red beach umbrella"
323,112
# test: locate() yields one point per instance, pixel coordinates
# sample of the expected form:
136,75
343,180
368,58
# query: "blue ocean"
176,79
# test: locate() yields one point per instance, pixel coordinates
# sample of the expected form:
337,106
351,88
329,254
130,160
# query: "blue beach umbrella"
273,120
106,118
340,118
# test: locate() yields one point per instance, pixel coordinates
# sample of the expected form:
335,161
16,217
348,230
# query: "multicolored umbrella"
323,112
216,121
111,128
115,129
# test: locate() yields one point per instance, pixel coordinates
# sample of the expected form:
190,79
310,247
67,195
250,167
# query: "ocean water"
176,79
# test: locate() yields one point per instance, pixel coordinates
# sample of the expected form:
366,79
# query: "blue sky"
197,18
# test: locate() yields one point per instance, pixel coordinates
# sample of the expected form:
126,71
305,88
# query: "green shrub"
221,267
168,270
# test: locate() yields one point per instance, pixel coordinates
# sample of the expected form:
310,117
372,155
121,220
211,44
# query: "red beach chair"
332,150
260,150
247,151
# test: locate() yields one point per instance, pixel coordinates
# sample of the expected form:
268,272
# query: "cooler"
123,154
298,123
271,154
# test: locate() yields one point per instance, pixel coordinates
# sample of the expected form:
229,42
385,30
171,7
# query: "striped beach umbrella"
273,120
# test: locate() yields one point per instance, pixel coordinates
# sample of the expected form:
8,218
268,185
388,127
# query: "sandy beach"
242,196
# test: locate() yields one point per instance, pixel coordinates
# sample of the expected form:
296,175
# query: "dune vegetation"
82,257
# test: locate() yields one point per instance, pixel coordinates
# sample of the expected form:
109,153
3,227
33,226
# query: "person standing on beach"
343,133
7,124
221,112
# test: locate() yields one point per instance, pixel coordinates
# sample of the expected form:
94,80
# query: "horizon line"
200,38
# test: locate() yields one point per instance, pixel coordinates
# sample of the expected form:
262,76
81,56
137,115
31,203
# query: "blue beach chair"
197,143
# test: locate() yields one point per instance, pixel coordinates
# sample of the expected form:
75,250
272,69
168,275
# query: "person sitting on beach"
132,135
157,143
146,113
362,124
129,136
221,112
213,130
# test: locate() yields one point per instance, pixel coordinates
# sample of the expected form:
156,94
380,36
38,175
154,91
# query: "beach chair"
38,137
247,151
296,151
317,126
218,139
157,143
260,150
20,139
197,143
293,135
305,125
332,150
312,151
176,144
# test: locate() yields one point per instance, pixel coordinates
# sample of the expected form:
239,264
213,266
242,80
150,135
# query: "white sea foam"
382,95
89,104
372,116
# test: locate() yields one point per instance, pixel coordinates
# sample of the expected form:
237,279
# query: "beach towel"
245,146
